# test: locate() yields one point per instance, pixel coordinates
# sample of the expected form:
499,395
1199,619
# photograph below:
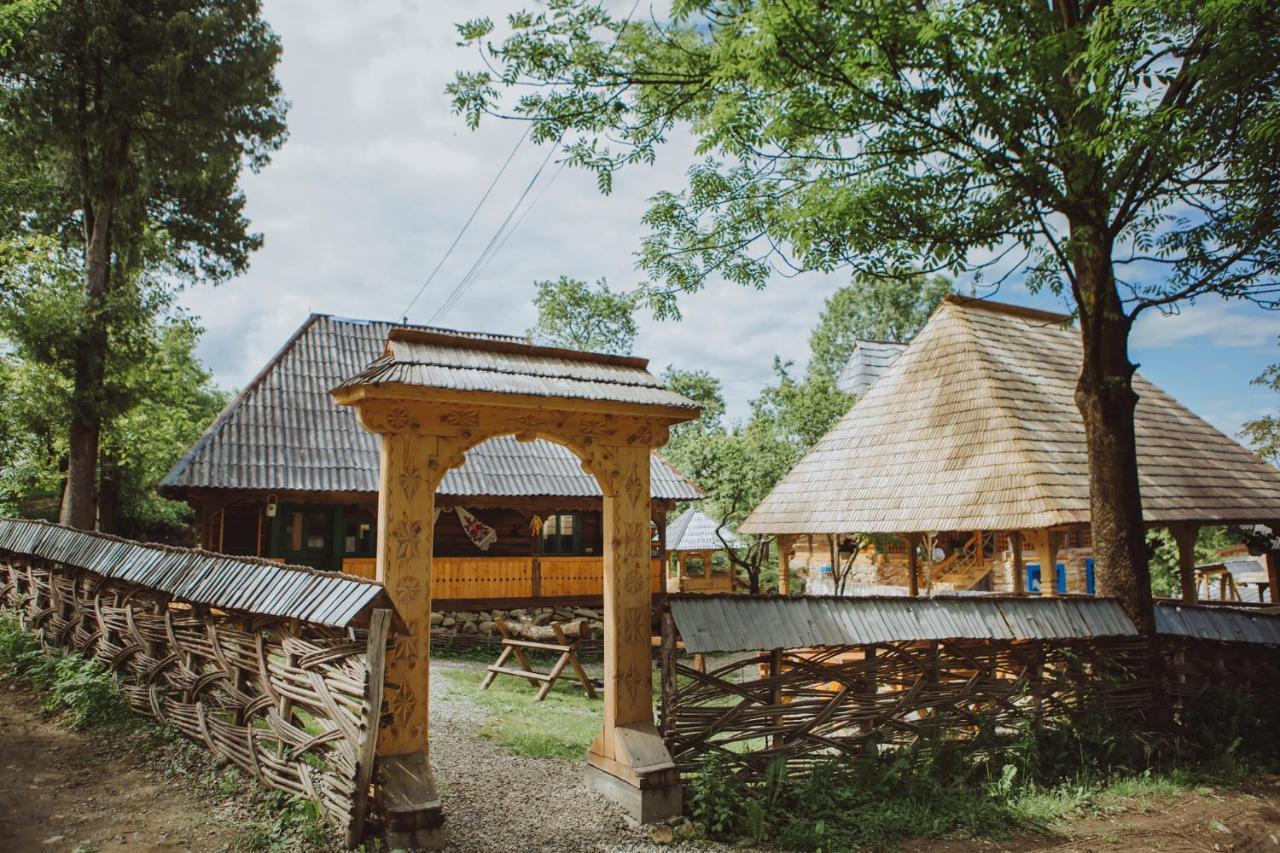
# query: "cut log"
577,630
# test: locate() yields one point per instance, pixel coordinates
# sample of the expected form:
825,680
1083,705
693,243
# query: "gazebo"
973,431
432,397
693,535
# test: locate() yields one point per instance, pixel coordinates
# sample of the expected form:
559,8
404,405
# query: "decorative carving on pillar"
410,478
407,533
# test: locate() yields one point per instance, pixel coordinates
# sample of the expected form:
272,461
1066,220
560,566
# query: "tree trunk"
1106,399
80,499
109,491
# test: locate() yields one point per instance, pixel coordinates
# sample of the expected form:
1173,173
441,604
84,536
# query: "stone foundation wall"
446,624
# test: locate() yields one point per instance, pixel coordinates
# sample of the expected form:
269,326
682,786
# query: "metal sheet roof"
694,530
728,623
199,577
1220,623
284,432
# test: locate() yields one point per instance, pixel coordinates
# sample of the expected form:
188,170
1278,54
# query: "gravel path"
495,800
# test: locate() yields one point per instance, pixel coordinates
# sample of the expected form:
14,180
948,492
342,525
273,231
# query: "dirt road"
61,790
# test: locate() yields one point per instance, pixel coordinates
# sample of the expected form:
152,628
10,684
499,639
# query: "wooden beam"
1185,535
784,564
913,566
1019,567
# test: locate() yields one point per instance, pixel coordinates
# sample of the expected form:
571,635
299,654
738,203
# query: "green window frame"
562,535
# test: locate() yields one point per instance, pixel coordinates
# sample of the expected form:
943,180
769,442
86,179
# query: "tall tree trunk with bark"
80,499
1106,400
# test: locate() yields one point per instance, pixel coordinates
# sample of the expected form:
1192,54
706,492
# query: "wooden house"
286,473
969,447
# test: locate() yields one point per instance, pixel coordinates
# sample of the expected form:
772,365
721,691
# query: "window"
360,537
306,532
562,535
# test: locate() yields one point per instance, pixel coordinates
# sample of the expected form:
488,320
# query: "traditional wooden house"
286,473
692,542
964,466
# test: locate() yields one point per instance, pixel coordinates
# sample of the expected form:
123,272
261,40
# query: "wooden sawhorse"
513,646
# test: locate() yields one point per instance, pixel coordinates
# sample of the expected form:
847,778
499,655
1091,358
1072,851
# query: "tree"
574,315
1124,153
159,398
123,120
890,309
1264,432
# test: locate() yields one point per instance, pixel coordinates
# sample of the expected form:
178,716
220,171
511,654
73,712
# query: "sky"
379,175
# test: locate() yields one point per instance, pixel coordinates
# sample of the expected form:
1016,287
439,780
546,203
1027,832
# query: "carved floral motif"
410,478
407,533
463,418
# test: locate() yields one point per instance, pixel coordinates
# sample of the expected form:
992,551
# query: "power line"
467,224
491,247
495,244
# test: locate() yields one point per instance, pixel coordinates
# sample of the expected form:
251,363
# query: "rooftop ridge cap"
513,347
400,324
1009,308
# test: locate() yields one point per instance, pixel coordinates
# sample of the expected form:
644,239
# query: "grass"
85,695
561,726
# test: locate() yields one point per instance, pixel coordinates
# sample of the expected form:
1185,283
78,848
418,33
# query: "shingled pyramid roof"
694,530
975,427
284,432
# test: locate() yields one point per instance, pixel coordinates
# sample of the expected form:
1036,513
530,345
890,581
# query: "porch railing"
497,578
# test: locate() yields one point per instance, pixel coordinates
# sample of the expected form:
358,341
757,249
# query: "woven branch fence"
801,707
292,703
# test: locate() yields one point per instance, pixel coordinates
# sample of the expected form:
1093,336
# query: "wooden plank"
375,675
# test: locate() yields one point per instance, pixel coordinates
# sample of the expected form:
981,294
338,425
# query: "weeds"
1099,763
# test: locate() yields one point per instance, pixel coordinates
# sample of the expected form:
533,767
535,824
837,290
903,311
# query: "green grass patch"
561,726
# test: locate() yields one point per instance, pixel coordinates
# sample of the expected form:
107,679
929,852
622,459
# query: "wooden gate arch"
432,397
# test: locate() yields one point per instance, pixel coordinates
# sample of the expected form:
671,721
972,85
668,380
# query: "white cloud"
1212,322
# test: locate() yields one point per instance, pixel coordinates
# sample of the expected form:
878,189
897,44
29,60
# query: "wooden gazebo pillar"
1185,536
1019,565
913,565
784,564
1045,542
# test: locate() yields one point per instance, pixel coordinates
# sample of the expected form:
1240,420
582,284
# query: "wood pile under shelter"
972,436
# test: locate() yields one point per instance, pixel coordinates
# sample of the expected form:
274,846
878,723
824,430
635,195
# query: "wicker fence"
855,674
807,705
293,703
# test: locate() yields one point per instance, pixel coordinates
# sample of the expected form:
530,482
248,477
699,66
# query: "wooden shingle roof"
694,530
975,427
284,432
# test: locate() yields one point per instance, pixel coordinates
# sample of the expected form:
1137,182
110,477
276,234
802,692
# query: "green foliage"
575,315
941,789
1263,433
81,688
891,309
1165,577
880,135
158,398
292,822
145,113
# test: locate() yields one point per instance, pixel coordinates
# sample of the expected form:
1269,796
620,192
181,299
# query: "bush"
82,688
981,787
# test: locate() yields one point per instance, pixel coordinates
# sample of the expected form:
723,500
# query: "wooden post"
667,655
1019,567
1273,570
628,698
1045,542
1185,536
375,668
913,566
784,564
